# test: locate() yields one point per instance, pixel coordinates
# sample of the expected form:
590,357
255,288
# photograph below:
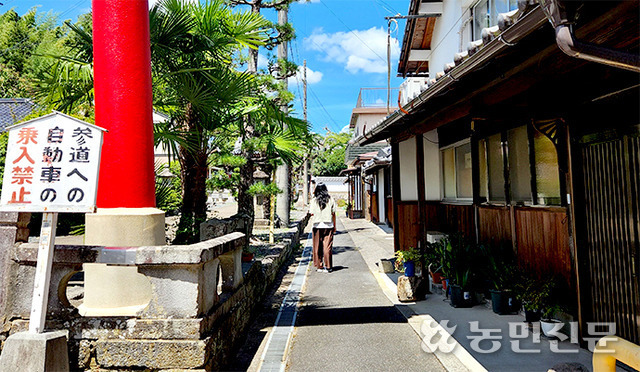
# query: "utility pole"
305,184
394,20
282,172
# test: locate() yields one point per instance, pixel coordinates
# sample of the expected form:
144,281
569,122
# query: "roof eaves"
528,23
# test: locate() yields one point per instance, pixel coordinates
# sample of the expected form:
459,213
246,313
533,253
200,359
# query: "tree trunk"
193,183
200,198
245,201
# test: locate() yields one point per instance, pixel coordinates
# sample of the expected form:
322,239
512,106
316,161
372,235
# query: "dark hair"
322,195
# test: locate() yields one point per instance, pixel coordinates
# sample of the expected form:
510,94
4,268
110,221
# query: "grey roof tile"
12,110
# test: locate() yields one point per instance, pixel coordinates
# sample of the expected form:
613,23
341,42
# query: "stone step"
154,354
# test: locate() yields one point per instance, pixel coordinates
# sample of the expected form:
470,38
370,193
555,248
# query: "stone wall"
193,329
217,227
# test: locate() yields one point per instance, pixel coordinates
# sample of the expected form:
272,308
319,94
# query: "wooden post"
395,192
43,272
421,189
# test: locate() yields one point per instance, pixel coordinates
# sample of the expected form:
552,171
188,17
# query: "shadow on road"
313,315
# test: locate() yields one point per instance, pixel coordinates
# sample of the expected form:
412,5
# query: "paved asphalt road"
347,324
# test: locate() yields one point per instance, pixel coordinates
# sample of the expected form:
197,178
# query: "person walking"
323,212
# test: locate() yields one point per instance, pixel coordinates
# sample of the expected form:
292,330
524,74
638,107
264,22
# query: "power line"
325,110
76,5
390,9
354,34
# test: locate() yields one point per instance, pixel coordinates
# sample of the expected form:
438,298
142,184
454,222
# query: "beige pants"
322,245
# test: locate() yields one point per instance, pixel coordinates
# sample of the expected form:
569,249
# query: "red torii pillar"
122,82
126,215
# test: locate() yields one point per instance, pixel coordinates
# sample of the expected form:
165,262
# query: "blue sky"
343,41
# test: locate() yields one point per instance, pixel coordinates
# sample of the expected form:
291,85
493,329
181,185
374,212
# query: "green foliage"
412,254
534,293
501,269
460,260
23,42
264,189
329,155
223,180
67,84
226,174
169,190
4,138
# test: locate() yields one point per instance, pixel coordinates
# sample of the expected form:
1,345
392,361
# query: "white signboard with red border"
52,165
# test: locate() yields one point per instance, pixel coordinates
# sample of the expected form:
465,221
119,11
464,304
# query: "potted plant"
432,261
460,291
457,261
502,273
408,258
534,294
547,322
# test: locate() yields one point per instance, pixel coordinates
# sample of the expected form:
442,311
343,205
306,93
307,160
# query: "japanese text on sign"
52,165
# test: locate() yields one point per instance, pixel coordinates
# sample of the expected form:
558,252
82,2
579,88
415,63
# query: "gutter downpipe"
524,26
567,42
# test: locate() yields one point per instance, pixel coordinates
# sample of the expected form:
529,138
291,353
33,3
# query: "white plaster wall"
408,170
381,200
432,171
370,120
446,37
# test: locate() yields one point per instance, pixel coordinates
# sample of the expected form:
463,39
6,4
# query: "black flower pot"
514,305
460,297
499,301
504,302
531,316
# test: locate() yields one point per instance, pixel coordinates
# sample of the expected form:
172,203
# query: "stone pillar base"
119,290
125,227
35,352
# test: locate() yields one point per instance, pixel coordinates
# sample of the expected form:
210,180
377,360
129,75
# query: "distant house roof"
353,150
329,179
381,160
12,110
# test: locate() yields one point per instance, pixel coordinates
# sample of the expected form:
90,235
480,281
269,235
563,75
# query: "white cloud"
313,77
360,50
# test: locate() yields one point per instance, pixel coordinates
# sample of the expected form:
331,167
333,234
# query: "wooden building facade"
521,143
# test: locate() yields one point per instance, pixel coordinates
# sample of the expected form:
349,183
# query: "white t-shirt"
322,218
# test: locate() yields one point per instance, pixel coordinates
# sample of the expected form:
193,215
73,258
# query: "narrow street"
345,322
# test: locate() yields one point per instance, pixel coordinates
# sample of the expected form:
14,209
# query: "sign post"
43,272
52,166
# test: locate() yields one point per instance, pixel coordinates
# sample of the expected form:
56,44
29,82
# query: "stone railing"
184,291
216,227
197,309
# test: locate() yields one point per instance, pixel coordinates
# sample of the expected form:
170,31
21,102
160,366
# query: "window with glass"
485,14
522,145
457,172
547,170
519,170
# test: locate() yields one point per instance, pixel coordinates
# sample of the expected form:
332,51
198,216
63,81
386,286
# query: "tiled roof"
353,151
12,110
328,179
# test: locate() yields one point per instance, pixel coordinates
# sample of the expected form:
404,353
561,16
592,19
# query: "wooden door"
611,172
